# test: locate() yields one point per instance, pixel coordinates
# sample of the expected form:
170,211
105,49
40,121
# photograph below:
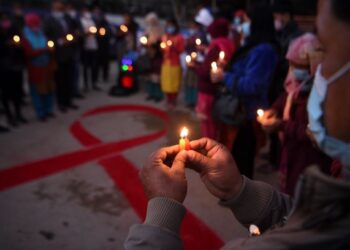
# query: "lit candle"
16,39
214,66
69,37
163,45
254,230
260,113
50,44
143,40
194,55
102,31
198,42
124,28
188,59
222,55
184,142
169,43
93,30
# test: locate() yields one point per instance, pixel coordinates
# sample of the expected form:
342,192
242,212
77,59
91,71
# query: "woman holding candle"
39,66
219,31
288,114
173,44
249,76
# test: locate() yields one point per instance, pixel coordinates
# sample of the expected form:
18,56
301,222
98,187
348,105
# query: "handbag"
227,107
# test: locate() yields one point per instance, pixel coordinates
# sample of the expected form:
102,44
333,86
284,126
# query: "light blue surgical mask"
333,147
246,29
170,29
236,21
301,74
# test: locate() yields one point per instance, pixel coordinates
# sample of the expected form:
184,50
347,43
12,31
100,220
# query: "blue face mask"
246,29
236,21
301,74
170,30
333,147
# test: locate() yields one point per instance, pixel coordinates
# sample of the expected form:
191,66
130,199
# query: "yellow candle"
188,59
16,39
102,31
184,142
222,55
214,66
143,40
50,44
124,28
93,30
69,37
169,43
260,113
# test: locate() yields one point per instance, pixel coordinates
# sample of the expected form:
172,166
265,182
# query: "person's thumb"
178,166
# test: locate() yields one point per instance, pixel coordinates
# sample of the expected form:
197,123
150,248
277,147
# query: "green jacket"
319,217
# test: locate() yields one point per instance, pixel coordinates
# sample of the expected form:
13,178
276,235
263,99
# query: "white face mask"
333,147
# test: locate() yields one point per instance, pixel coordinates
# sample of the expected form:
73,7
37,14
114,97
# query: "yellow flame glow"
184,132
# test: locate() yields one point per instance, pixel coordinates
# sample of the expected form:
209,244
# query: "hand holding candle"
222,58
184,142
216,73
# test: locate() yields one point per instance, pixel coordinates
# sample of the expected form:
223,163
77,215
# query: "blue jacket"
250,77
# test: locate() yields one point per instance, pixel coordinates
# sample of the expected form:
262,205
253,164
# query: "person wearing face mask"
288,114
317,218
56,27
39,67
173,44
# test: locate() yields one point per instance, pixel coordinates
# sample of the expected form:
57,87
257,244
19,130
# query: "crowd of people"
258,58
51,47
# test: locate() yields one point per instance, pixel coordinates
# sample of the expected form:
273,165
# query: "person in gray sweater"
319,215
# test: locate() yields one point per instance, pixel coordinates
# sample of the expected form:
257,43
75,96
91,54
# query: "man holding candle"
317,219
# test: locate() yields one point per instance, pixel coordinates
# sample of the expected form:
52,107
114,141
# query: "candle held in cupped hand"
184,142
188,59
214,66
16,39
222,55
198,42
260,113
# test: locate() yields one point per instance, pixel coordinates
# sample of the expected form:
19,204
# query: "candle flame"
260,112
198,42
163,45
194,54
214,66
188,58
16,39
102,31
184,132
169,43
69,37
222,55
143,40
124,28
50,44
93,29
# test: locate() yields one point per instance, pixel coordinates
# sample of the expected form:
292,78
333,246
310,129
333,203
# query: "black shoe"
43,119
51,115
73,106
4,129
21,119
79,96
63,109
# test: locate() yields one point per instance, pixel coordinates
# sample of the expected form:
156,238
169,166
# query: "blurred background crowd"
245,69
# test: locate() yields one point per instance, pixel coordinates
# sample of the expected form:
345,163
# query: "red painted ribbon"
194,233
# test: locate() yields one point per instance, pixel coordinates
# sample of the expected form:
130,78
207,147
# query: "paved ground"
81,208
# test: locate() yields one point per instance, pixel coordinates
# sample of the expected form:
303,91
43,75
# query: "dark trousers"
90,67
64,83
11,93
244,149
103,65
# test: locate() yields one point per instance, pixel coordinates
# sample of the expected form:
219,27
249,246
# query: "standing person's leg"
85,63
37,103
244,149
60,88
94,69
6,90
69,84
17,95
105,68
48,104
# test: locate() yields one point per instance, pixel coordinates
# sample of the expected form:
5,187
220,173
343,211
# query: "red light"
131,68
127,82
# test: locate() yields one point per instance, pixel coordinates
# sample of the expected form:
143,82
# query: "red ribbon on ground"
194,233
